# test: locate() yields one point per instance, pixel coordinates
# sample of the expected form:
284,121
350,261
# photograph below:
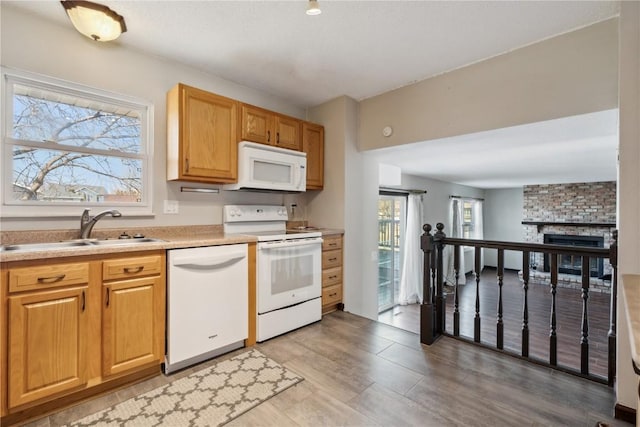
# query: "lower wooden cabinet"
132,335
47,344
78,325
331,272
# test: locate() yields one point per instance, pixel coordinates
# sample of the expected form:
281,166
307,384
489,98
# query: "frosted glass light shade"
313,8
94,20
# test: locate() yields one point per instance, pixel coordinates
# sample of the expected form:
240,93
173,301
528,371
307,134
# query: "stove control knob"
282,211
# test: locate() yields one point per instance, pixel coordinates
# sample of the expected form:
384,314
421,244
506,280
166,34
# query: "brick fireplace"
584,213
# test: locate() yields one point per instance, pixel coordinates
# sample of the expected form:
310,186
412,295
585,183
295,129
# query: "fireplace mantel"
541,224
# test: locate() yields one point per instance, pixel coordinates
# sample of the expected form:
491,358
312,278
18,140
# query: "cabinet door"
257,125
287,133
133,324
47,344
313,145
208,136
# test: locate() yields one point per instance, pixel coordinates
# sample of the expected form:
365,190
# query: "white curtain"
478,227
455,230
412,265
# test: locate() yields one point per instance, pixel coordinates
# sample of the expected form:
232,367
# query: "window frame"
39,209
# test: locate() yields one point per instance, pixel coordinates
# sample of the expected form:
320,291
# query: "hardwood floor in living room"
569,318
364,373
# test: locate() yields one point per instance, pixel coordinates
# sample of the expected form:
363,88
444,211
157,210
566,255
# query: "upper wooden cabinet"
201,136
266,127
313,145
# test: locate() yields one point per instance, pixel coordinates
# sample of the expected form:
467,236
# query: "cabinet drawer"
331,242
332,259
48,276
332,295
131,267
331,276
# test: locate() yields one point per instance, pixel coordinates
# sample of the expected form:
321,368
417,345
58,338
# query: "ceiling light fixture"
313,8
94,20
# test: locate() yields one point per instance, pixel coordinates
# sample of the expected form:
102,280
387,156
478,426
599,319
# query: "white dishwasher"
207,303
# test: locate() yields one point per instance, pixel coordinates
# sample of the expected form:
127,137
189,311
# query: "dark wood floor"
359,372
568,312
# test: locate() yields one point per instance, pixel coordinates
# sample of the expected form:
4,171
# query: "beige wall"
571,74
33,44
628,185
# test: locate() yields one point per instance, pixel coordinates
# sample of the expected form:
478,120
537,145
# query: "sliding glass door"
391,230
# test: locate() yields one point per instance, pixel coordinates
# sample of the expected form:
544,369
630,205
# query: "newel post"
427,315
438,237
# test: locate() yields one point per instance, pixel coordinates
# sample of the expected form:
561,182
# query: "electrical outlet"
171,206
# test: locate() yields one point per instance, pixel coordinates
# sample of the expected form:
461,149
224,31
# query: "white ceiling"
574,149
360,49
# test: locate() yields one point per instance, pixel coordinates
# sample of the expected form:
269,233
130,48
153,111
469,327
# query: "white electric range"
288,264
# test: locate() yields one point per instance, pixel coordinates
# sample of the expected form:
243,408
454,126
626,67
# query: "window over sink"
67,146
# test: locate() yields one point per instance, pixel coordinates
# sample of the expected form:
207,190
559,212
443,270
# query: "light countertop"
176,238
172,238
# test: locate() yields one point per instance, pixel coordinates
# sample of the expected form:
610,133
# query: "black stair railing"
432,312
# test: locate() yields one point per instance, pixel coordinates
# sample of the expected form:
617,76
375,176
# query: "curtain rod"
464,197
401,191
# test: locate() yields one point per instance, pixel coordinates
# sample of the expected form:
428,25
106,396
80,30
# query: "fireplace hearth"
570,264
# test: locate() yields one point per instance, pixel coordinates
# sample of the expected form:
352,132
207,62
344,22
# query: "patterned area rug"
210,397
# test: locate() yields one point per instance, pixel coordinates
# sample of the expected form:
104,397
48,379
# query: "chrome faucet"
87,221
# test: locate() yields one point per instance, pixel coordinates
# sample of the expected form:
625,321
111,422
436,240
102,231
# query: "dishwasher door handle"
207,261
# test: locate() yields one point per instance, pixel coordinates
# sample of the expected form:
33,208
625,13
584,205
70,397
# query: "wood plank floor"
360,372
568,312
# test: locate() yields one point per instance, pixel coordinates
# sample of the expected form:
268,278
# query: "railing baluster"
476,323
584,341
525,305
500,324
613,259
433,275
553,338
456,311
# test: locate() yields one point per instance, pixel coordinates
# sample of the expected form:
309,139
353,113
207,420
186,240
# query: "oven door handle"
289,244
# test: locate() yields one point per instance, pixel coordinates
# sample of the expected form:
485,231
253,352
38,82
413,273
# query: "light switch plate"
171,206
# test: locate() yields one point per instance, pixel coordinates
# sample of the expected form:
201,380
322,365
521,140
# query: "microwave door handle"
300,176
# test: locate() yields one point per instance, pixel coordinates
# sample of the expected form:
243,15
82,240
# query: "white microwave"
263,167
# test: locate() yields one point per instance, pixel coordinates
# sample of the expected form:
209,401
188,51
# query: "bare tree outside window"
67,148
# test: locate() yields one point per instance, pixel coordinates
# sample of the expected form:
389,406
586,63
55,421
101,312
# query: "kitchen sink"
44,246
71,244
